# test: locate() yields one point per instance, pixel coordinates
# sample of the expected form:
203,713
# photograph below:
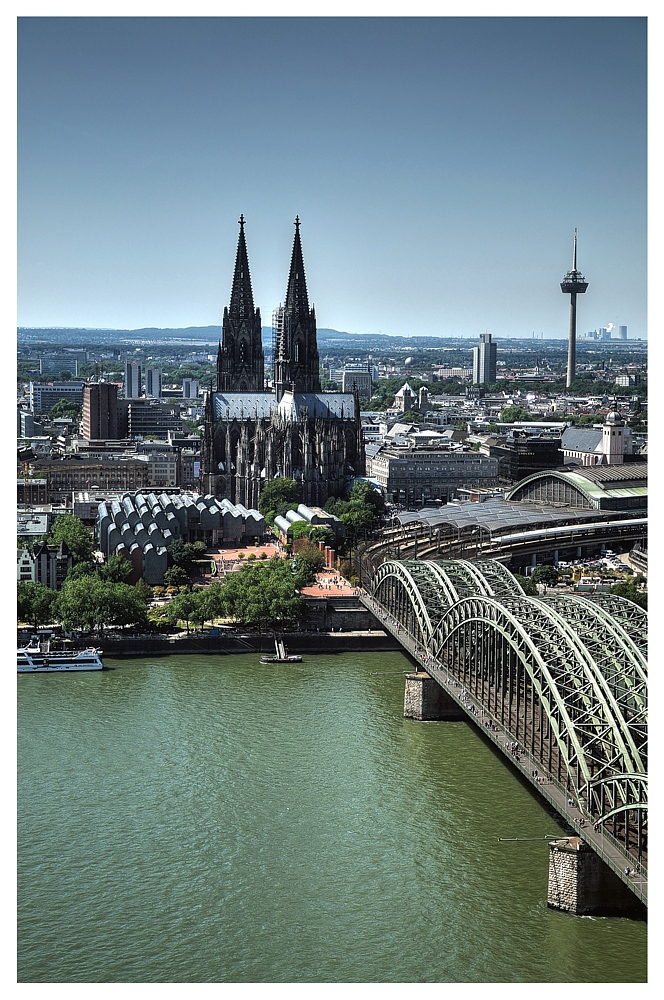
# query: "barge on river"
281,654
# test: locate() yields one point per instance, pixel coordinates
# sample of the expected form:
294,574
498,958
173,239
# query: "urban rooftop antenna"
573,283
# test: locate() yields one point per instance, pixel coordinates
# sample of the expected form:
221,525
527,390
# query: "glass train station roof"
496,515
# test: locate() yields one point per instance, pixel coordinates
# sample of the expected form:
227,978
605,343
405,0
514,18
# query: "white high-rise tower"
484,361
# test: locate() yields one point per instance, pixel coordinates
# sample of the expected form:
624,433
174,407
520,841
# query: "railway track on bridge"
422,542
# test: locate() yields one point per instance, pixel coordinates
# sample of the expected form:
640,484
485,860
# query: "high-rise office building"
142,417
153,382
44,397
100,411
59,364
190,388
132,382
484,361
356,377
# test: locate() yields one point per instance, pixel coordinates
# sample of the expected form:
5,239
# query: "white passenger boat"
37,658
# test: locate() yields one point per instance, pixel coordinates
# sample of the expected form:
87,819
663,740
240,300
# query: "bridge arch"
565,675
414,594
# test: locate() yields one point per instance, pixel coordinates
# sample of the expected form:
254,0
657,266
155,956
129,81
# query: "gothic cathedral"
253,434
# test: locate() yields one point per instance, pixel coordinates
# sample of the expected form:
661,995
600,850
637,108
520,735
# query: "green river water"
208,819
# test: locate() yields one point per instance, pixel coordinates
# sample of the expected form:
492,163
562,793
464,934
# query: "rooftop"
633,473
494,515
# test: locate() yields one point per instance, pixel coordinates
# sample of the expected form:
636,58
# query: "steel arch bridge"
565,676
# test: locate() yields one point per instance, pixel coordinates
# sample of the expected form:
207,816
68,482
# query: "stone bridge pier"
425,700
580,883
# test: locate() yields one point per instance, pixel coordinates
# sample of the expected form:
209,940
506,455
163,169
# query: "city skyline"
439,167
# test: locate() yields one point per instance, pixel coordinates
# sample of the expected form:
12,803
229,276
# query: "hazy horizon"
581,341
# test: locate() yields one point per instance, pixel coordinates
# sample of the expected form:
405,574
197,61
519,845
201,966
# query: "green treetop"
69,529
263,594
92,604
629,591
277,497
35,603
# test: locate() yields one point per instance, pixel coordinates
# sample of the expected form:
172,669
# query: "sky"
439,166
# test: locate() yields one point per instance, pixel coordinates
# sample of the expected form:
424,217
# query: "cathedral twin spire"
240,360
240,363
296,292
242,298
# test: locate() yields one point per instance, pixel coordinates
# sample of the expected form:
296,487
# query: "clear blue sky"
439,167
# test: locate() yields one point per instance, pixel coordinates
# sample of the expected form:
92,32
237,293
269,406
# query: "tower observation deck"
573,284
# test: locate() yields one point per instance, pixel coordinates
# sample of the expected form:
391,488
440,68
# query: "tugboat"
281,654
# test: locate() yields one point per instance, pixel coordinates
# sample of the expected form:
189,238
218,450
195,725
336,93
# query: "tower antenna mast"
573,284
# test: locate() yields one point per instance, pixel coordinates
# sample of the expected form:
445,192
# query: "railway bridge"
558,683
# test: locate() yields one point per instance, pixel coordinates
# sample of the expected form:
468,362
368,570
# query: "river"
209,819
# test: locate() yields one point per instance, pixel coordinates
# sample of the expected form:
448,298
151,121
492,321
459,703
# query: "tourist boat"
281,654
37,658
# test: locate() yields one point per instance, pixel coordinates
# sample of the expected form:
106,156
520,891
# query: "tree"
301,529
277,497
263,594
363,510
66,408
512,413
80,570
546,574
346,568
629,591
144,591
314,532
336,507
358,519
69,529
214,600
321,533
310,560
35,603
185,607
364,494
92,604
527,585
116,569
123,605
176,576
184,554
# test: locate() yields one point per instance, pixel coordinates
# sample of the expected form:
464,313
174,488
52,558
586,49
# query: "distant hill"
327,339
322,334
204,334
62,335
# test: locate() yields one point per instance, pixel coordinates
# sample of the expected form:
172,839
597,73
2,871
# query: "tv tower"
572,283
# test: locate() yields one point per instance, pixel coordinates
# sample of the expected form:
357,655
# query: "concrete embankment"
233,643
